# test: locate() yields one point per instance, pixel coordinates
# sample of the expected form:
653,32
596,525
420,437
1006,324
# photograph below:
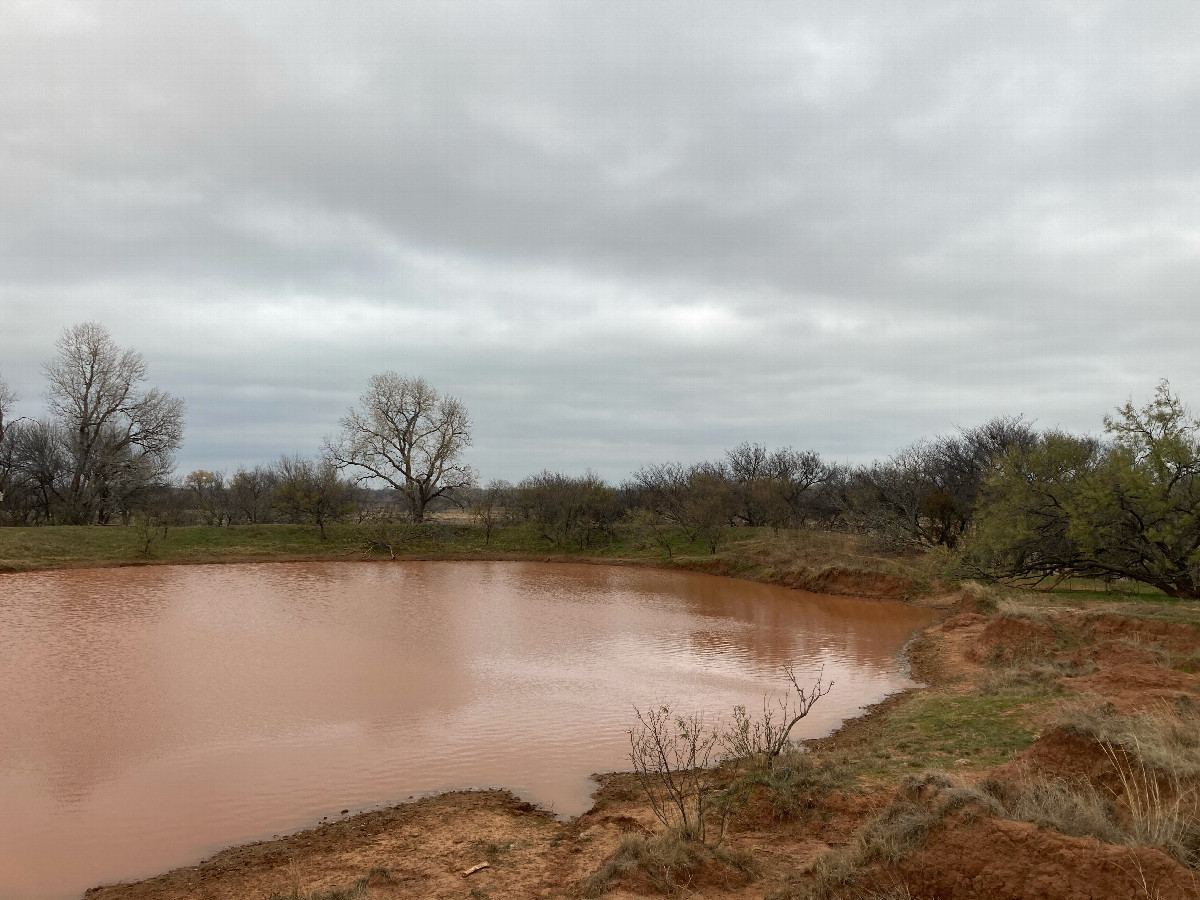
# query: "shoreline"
819,562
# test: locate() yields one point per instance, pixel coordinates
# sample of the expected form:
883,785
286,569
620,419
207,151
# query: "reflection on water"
153,715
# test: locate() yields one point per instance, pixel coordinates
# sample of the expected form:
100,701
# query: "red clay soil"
1007,639
963,620
998,858
1107,654
857,584
844,582
424,846
1060,753
1132,687
1177,637
967,602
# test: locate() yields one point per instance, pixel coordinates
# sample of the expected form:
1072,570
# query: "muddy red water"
151,716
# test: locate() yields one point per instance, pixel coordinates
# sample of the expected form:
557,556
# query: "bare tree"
410,437
926,494
250,493
699,500
489,507
210,493
7,455
118,434
39,461
666,493
712,504
7,399
308,491
793,476
772,487
568,509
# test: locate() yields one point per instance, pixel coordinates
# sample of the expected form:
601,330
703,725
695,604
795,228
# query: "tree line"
1011,501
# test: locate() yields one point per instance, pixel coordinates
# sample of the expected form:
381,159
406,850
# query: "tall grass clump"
671,863
895,834
1165,738
1155,801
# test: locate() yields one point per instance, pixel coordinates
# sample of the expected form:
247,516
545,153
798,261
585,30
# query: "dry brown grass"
818,554
1074,807
795,783
360,888
1164,739
669,863
890,838
1156,757
1033,677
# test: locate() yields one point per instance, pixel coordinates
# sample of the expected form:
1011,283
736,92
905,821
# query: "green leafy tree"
1129,508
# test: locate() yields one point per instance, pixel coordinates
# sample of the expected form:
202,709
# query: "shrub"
671,862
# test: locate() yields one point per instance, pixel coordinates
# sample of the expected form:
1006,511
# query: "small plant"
670,862
386,538
670,755
795,781
767,737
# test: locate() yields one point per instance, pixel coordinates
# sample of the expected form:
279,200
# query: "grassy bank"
819,561
28,549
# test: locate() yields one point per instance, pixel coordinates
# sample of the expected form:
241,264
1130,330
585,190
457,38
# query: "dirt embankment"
1016,707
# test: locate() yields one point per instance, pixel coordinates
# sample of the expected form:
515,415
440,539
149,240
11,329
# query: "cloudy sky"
619,232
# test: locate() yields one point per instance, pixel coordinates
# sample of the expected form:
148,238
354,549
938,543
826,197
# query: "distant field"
24,549
1095,589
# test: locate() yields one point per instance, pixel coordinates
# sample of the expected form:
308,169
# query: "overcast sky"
619,232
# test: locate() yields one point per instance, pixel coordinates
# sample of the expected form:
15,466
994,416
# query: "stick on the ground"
474,869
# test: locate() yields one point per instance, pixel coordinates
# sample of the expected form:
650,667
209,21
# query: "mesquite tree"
1128,508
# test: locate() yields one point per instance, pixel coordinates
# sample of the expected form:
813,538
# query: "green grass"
1149,595
1146,604
23,549
794,558
936,731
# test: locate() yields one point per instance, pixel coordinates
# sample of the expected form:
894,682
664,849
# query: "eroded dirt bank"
1019,772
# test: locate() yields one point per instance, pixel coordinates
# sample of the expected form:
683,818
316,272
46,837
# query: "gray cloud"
618,232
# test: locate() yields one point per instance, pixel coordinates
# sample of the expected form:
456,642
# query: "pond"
151,716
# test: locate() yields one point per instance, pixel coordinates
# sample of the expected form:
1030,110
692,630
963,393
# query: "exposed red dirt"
860,584
967,602
1006,639
1060,753
1107,654
1131,687
1177,637
1018,861
424,846
963,620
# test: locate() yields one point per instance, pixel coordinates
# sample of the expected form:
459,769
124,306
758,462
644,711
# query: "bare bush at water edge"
767,737
672,755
